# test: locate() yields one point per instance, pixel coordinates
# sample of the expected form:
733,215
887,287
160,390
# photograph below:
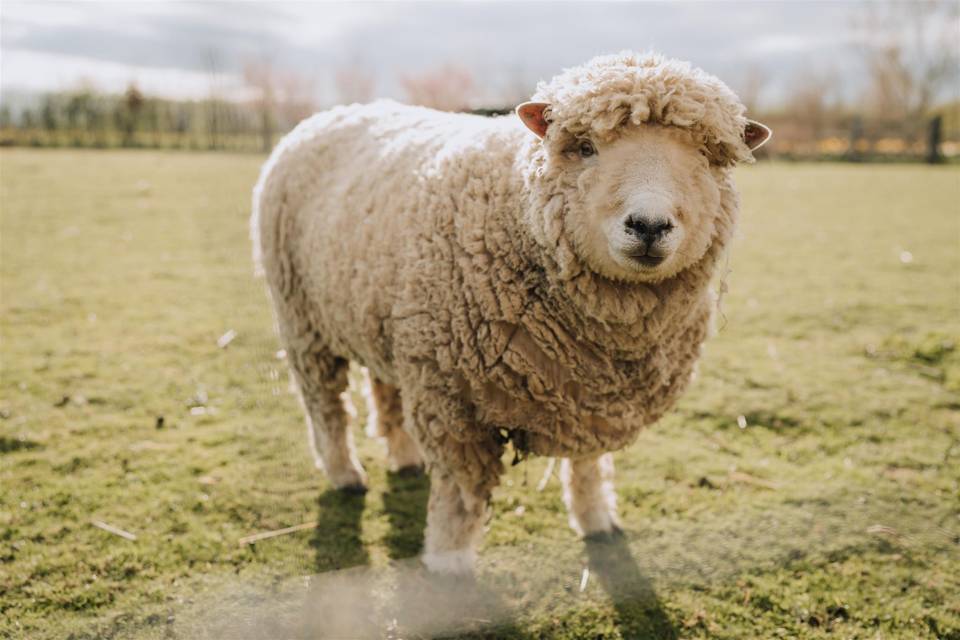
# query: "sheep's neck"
564,347
599,312
570,375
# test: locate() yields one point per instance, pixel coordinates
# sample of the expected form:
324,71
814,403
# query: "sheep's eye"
586,149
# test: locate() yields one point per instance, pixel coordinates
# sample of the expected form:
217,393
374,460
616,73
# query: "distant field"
808,486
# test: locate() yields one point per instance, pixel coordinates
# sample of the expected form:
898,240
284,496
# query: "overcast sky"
169,48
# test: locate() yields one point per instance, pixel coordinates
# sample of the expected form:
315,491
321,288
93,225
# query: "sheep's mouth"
646,259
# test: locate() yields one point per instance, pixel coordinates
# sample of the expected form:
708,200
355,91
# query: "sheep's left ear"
531,113
756,134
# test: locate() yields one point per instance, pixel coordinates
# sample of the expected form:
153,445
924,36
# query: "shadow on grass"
336,541
350,599
639,611
12,445
405,504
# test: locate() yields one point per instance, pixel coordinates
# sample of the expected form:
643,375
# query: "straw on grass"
276,532
114,530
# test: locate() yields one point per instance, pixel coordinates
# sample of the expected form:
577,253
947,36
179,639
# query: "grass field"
808,485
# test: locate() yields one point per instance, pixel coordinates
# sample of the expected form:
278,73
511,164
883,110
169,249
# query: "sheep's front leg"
462,458
589,494
455,518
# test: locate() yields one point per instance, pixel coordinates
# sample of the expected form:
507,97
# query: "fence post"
934,137
856,132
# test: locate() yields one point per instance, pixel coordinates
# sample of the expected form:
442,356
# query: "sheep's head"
638,149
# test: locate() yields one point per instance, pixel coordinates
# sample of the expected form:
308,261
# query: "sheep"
547,291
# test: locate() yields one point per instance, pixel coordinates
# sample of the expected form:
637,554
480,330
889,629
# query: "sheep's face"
642,203
642,206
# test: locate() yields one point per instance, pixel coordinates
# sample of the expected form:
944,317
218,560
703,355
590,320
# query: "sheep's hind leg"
589,495
322,378
387,422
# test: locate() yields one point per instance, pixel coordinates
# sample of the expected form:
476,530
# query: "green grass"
808,485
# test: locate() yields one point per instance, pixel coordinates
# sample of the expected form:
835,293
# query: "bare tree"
295,97
751,87
50,114
517,87
128,114
911,51
448,88
812,101
354,84
261,76
212,59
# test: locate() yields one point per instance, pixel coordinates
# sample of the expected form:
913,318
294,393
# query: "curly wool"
600,97
433,249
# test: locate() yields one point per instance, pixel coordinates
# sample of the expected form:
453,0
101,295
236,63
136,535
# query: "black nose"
649,229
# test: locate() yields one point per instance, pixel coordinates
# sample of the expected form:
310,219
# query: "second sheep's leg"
589,495
456,514
322,378
386,417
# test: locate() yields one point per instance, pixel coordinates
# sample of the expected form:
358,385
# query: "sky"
182,49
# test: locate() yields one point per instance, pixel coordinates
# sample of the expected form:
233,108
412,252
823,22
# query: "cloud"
508,46
34,71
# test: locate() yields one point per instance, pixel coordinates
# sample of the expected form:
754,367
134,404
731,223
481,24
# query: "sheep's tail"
263,210
258,271
257,214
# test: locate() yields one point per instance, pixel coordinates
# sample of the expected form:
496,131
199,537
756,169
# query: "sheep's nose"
648,229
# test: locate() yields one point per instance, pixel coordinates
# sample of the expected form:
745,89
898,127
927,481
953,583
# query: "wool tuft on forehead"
609,92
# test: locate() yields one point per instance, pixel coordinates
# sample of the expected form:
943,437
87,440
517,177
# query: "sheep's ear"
756,135
531,113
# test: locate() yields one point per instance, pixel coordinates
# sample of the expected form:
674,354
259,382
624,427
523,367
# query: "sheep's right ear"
756,135
531,113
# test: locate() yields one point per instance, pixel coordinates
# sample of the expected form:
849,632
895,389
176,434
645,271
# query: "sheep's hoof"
410,471
599,520
353,489
401,451
347,478
454,564
615,533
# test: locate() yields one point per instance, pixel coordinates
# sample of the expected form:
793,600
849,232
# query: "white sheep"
548,289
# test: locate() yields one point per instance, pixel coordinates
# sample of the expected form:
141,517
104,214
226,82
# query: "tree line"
909,106
86,118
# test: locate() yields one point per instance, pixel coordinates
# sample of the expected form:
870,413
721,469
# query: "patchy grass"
807,486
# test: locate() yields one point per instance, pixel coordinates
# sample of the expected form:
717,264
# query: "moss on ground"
807,486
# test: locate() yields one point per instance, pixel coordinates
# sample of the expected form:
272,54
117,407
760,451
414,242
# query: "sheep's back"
344,209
